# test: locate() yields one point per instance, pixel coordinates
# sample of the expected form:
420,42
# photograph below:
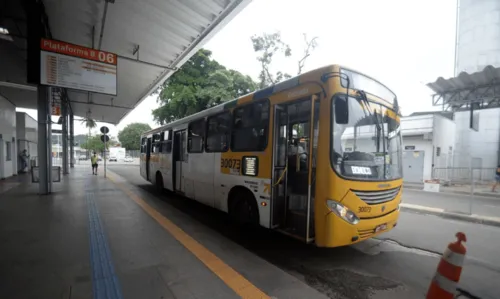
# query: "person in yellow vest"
93,160
497,179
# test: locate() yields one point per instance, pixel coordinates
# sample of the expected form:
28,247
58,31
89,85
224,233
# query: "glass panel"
195,136
250,127
369,85
218,132
369,145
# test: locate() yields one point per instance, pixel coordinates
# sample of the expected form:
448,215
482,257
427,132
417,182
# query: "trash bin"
35,174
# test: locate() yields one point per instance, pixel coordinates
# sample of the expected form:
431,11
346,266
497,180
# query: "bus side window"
250,127
218,132
143,145
161,143
155,143
196,135
167,147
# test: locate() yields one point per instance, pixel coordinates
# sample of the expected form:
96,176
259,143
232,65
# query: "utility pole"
105,139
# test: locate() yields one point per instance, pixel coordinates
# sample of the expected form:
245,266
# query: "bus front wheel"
243,207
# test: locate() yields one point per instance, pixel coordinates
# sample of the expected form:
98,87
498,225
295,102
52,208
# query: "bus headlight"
342,211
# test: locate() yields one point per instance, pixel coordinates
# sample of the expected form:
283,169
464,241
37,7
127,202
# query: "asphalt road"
398,265
460,203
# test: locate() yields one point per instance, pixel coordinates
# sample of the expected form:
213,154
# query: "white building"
8,148
18,131
428,141
477,47
27,136
478,35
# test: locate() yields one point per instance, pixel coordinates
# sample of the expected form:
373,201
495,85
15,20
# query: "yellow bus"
316,157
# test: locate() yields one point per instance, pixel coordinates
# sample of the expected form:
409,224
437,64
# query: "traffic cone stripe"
456,259
444,283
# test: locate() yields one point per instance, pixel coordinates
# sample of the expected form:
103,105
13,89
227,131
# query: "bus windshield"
368,145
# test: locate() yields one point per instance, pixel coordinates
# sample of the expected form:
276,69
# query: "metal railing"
464,175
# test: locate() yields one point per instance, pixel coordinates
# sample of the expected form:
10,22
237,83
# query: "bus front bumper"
341,233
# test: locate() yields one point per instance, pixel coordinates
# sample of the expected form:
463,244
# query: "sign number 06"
106,57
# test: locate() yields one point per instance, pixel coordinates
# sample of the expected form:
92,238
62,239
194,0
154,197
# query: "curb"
493,221
495,196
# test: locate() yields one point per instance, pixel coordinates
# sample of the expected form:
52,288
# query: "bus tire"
159,182
243,208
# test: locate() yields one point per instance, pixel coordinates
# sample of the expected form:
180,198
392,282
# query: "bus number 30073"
230,163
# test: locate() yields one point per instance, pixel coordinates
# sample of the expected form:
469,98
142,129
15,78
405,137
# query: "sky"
403,44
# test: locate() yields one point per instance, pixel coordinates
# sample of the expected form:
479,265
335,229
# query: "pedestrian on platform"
93,160
24,158
497,179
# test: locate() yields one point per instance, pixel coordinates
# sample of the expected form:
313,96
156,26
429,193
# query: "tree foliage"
199,84
269,46
95,144
89,123
131,134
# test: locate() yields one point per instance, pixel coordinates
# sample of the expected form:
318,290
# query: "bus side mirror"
341,111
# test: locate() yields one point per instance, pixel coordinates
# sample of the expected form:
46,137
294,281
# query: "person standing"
24,157
497,178
93,160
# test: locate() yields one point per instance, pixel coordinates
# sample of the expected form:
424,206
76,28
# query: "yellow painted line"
239,284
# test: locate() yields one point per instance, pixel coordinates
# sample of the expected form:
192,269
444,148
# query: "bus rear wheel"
243,209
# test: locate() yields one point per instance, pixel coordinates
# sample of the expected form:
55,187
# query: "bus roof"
260,94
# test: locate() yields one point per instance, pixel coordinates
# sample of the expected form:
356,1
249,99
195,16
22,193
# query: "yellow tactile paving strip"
239,284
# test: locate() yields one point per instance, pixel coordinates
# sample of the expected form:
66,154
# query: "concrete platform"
102,238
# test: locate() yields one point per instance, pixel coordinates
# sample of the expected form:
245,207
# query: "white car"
113,159
128,159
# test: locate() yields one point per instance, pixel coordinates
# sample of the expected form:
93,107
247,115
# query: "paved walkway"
101,238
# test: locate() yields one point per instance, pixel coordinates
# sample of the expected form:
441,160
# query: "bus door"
179,160
279,166
291,192
148,158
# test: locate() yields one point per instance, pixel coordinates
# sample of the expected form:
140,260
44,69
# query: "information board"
76,67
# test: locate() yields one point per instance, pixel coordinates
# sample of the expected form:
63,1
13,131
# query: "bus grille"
365,233
377,197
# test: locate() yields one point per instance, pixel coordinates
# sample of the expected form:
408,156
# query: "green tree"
89,123
95,144
268,46
130,135
199,84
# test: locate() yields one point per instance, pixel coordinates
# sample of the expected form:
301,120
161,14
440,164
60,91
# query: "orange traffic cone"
444,283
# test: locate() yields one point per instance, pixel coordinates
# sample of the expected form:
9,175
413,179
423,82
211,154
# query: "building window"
196,134
250,127
8,152
218,132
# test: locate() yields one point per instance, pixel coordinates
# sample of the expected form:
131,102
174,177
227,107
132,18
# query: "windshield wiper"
380,128
366,103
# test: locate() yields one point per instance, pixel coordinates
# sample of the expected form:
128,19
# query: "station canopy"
480,90
152,38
